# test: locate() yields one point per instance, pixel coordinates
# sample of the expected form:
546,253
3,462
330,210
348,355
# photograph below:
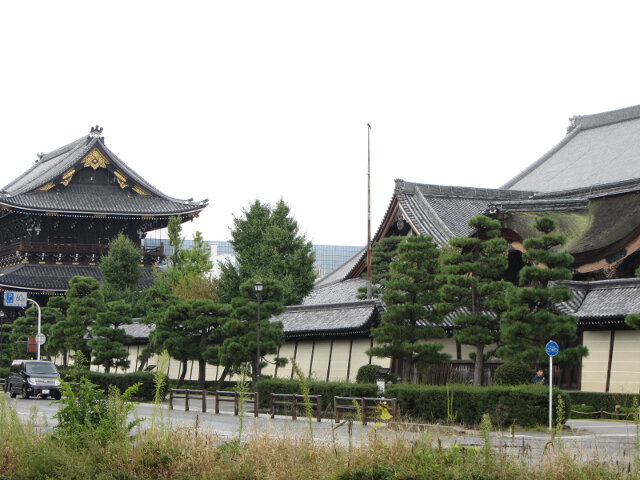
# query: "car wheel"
12,392
44,397
57,396
25,395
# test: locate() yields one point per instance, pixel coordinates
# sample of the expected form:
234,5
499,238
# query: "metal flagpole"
369,293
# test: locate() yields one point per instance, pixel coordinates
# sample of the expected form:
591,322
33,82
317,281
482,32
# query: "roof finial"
95,131
40,155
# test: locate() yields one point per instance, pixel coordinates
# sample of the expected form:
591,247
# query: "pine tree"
383,253
240,332
411,319
85,301
531,319
108,340
473,288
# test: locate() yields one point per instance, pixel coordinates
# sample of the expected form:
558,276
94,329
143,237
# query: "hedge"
523,405
146,392
602,401
328,390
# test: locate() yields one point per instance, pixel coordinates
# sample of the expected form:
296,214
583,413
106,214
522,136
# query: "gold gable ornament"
95,159
121,178
47,186
140,191
66,178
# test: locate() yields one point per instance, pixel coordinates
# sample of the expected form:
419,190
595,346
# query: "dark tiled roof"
605,299
443,211
139,331
331,309
34,277
23,192
342,271
598,149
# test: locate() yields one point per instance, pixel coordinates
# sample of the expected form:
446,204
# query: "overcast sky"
243,100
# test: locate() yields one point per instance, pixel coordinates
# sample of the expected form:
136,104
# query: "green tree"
120,267
531,319
633,319
267,244
472,287
240,331
108,339
172,333
85,301
411,319
382,254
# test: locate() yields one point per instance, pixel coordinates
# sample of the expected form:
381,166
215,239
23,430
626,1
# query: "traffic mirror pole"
39,317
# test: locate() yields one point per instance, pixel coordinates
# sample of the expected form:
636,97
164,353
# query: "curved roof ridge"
37,175
606,118
592,191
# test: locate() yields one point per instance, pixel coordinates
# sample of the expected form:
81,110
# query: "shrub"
367,373
145,393
603,401
328,390
513,373
524,405
580,411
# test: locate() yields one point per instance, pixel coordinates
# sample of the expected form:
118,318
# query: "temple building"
57,218
589,182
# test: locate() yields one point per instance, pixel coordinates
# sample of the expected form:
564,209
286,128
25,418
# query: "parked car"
31,378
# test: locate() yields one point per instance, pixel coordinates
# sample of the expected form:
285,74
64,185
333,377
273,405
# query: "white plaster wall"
594,366
625,363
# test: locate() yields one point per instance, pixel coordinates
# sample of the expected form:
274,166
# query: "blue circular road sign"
552,348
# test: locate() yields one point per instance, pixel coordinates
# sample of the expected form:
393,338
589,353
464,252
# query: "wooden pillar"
611,344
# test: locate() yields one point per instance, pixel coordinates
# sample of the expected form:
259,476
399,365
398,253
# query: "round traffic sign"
552,348
41,338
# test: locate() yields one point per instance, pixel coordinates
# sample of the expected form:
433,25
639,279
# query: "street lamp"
256,373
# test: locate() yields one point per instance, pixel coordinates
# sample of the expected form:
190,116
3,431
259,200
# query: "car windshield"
45,368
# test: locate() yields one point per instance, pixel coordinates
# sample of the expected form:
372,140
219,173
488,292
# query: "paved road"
583,439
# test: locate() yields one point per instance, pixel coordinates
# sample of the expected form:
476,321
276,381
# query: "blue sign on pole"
15,299
552,348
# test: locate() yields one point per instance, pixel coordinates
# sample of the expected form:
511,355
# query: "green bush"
583,411
513,373
367,373
328,390
523,405
603,401
146,391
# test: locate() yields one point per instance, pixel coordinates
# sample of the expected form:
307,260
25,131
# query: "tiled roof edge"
333,306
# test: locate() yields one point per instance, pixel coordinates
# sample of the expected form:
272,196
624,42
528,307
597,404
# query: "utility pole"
369,293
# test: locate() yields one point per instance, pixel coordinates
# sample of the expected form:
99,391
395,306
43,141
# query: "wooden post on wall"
611,341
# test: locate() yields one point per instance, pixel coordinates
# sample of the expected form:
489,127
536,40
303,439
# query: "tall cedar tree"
472,287
383,253
120,266
532,319
267,244
411,319
240,343
108,338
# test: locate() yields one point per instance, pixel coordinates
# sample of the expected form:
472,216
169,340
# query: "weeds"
242,388
304,387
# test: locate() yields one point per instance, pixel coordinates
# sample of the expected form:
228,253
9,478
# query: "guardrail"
363,404
235,397
177,393
295,401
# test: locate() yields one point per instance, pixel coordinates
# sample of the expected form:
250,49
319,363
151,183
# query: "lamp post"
256,371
